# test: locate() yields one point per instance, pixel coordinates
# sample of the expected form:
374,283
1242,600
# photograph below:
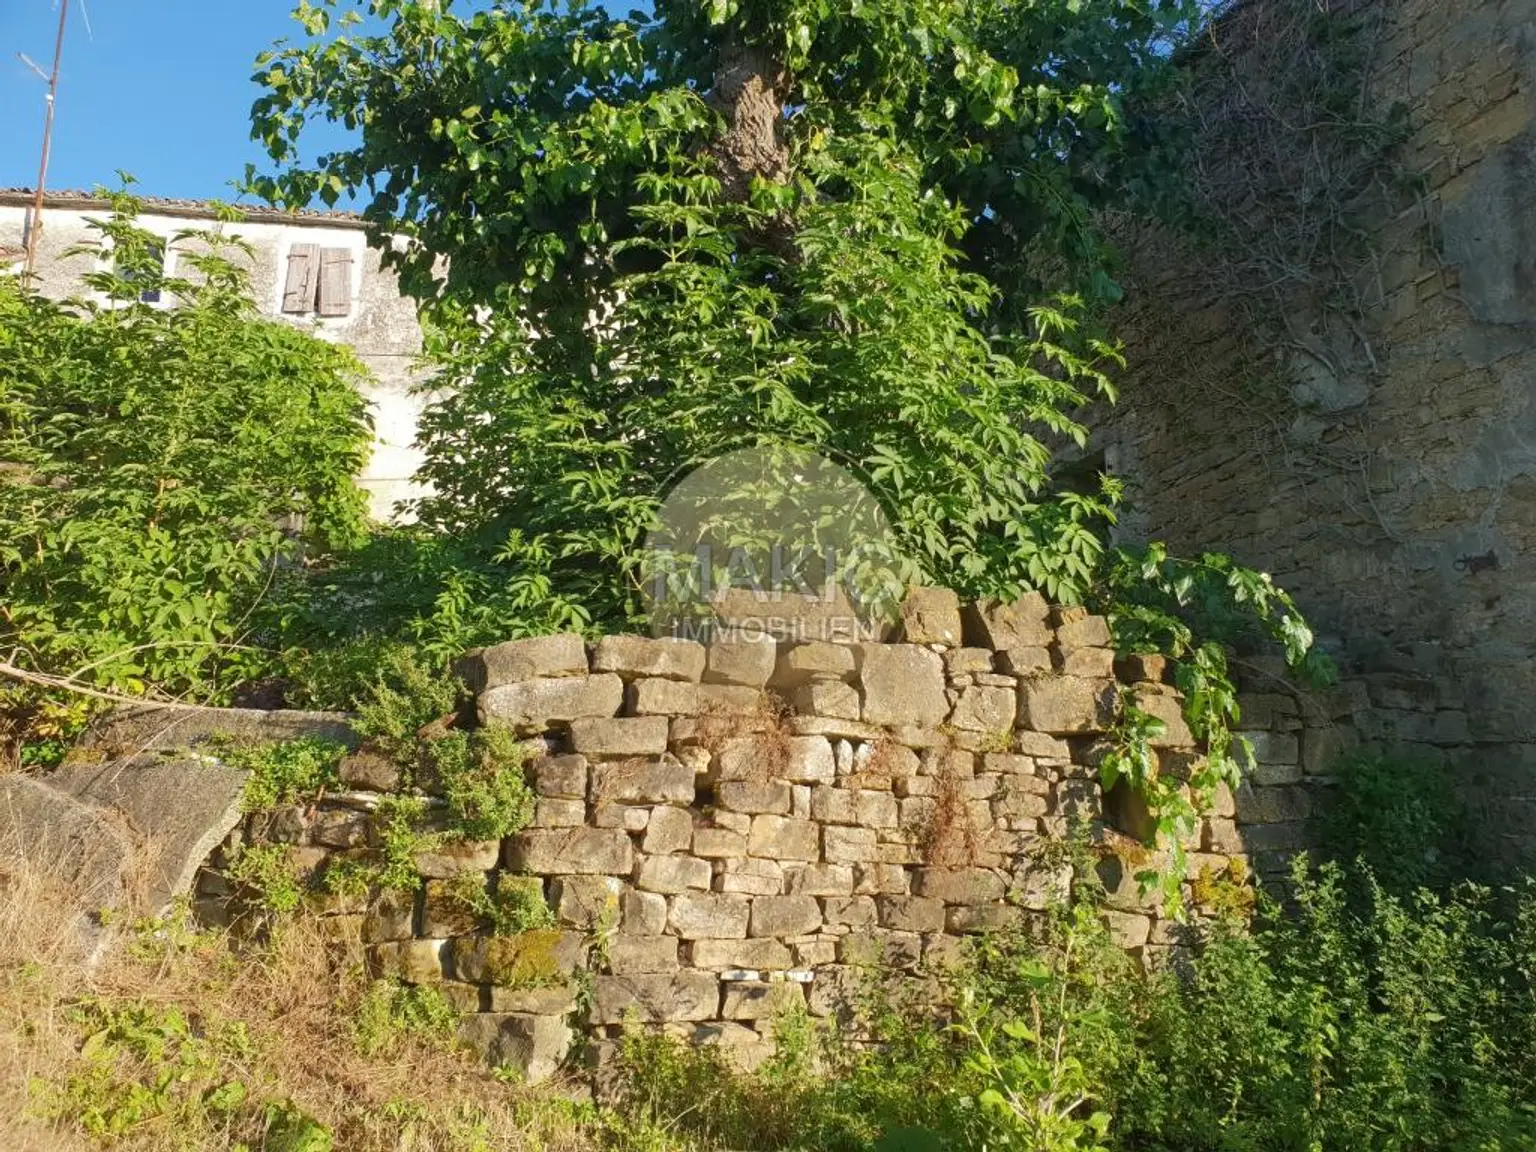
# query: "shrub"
286,772
267,874
153,457
388,1012
514,906
1402,818
481,776
1399,1023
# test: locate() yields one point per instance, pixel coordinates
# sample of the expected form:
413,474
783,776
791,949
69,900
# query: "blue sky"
160,88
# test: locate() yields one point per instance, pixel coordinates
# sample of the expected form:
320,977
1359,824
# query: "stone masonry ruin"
725,832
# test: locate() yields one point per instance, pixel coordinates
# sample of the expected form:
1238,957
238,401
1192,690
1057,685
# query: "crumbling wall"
1380,464
726,832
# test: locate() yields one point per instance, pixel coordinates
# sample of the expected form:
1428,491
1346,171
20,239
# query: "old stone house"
313,269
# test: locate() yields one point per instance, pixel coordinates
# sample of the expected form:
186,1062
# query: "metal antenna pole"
35,230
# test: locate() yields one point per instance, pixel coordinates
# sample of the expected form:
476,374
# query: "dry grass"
295,1000
766,722
950,838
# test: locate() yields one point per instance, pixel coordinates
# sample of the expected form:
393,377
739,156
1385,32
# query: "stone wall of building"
1384,468
725,832
379,324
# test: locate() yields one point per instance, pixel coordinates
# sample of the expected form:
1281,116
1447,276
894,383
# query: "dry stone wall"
725,832
1389,483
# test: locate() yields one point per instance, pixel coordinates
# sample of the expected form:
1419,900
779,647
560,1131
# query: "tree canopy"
863,228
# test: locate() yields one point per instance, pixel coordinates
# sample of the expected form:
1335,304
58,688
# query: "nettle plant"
863,229
163,452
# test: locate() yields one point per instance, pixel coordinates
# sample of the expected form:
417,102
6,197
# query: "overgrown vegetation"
159,465
1402,1023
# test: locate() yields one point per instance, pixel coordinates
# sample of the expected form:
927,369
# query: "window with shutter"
335,282
302,286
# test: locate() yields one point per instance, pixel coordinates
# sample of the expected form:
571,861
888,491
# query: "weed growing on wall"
286,772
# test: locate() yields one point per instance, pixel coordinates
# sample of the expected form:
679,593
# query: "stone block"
965,919
967,662
911,913
1042,747
413,961
761,1001
1323,748
444,913
559,777
657,697
785,916
1032,661
931,616
369,771
719,843
449,858
1272,775
709,916
584,901
663,781
1222,836
390,917
985,710
784,838
1089,663
628,817
830,698
903,684
748,708
959,885
848,845
876,879
559,814
636,656
517,961
1169,708
877,946
669,830
1141,666
532,705
555,1001
642,913
831,805
758,955
339,829
742,659
751,877
534,1045
809,760
1273,805
874,809
579,851
673,874
1000,624
753,797
820,880
530,659
1084,632
656,998
626,736
628,955
816,660
850,911
1061,704
1127,929
1275,747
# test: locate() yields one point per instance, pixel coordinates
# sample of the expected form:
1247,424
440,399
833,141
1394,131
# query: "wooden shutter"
303,275
335,282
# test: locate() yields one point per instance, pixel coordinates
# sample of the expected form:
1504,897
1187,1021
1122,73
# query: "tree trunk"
748,93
